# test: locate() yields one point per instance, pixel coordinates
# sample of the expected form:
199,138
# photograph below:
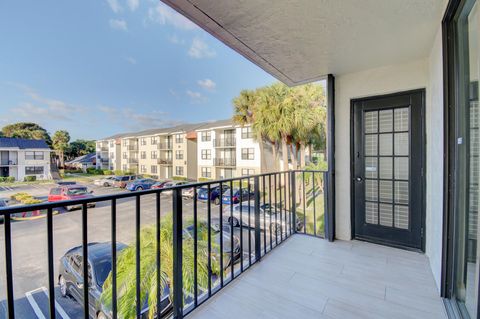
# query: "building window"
248,154
125,143
178,138
143,155
247,132
206,172
143,168
179,155
111,144
154,155
33,170
206,154
179,170
124,155
153,140
248,172
143,141
124,167
34,156
206,136
153,169
112,155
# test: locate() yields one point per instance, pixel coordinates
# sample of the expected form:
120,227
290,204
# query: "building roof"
215,124
88,158
22,143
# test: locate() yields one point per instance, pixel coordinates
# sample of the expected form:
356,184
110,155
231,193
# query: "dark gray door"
388,156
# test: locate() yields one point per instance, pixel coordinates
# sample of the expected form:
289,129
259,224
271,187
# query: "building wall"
191,158
18,171
204,145
183,148
148,161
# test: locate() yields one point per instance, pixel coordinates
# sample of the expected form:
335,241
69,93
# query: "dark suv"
70,278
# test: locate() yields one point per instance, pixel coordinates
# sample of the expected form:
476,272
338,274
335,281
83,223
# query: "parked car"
3,204
70,278
229,198
160,184
268,213
122,181
140,184
215,193
70,192
106,181
171,184
188,193
215,231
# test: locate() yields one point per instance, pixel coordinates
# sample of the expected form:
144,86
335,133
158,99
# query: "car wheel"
68,208
217,201
63,286
139,188
233,221
101,315
105,185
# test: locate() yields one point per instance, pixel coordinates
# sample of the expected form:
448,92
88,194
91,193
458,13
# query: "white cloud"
200,49
118,24
163,15
133,4
207,84
176,40
131,60
115,5
133,120
196,97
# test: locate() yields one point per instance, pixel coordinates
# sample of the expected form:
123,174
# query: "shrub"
30,178
107,172
31,201
204,179
118,172
72,171
179,178
10,179
3,179
91,170
17,196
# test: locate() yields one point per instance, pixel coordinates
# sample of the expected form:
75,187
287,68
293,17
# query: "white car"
106,181
267,217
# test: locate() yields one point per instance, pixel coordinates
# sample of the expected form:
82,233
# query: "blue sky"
101,67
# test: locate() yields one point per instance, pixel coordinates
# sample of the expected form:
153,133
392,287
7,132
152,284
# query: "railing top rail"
102,198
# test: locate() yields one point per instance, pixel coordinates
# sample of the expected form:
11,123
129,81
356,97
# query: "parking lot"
30,244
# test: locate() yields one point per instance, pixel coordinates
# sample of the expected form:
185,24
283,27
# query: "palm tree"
126,268
60,144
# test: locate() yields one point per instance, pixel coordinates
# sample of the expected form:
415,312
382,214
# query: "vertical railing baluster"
209,240
195,247
85,261
113,220
264,218
314,208
280,208
304,204
231,232
221,232
137,257
285,207
51,275
257,218
276,209
7,227
249,225
270,206
177,254
158,253
241,225
293,213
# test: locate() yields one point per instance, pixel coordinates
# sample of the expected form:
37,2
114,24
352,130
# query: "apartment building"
227,150
109,152
23,157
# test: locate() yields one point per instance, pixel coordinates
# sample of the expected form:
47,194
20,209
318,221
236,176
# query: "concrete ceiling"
299,41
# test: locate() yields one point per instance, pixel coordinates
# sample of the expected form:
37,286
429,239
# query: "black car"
70,278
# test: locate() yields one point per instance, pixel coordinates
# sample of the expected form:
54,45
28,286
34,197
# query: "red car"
69,192
159,185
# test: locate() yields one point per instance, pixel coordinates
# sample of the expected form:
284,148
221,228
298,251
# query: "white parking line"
34,304
59,308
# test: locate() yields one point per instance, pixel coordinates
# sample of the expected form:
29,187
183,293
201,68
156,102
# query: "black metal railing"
165,161
225,142
229,225
225,162
132,147
165,146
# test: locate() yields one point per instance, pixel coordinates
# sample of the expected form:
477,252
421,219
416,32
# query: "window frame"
248,153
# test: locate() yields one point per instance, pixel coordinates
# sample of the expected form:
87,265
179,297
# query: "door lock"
359,179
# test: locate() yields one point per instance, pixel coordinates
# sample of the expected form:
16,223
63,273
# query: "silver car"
106,181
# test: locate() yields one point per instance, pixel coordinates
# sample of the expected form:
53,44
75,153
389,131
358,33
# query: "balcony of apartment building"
8,158
225,162
165,144
224,139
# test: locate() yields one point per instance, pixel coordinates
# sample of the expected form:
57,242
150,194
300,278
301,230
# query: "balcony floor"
306,277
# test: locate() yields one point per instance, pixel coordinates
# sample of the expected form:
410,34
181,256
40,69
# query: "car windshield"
102,269
77,191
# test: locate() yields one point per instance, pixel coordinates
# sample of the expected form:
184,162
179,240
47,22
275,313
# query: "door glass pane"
401,217
386,191
401,144
371,145
371,122
371,190
371,167
386,215
386,120
467,174
401,193
371,213
402,119
385,144
386,167
401,168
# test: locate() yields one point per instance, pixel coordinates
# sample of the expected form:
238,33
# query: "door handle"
359,179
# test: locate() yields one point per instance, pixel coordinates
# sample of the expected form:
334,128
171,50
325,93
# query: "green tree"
60,144
126,267
79,148
26,130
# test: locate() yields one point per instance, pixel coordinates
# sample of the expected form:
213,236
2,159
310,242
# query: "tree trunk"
293,157
262,154
275,157
302,156
310,153
285,153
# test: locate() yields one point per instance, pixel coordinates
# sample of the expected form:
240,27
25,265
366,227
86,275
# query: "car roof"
97,251
71,186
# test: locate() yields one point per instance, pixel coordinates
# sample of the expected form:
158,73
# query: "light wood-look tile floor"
306,277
